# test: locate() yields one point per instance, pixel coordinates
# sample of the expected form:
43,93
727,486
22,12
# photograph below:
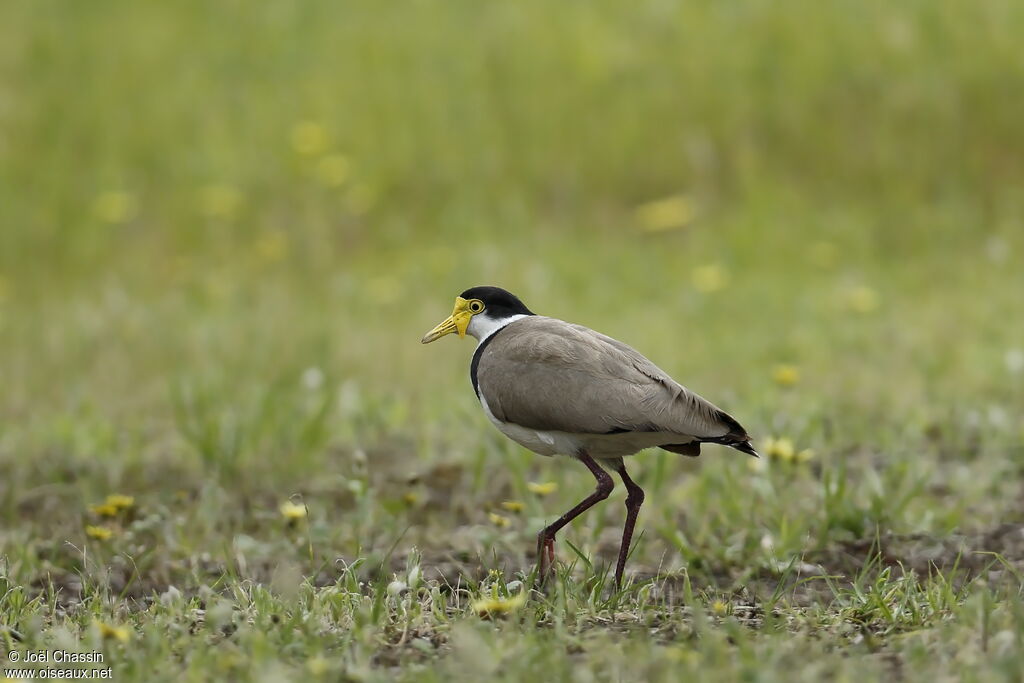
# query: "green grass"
224,228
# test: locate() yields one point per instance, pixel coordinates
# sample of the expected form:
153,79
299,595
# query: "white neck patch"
483,326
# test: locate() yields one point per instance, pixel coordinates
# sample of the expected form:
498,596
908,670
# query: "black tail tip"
746,447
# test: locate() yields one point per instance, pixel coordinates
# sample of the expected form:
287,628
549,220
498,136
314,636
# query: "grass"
224,228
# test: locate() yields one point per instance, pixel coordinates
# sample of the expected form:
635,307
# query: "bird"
558,388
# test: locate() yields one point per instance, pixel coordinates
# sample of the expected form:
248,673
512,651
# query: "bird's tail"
737,436
742,444
745,447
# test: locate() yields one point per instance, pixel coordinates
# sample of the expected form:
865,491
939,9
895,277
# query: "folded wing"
547,374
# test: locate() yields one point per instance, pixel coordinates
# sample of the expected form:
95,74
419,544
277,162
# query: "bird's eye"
475,307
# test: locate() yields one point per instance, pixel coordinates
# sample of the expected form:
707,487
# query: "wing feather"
547,374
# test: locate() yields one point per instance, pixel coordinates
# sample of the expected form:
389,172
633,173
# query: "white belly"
553,442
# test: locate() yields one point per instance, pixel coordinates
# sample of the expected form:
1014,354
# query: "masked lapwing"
563,389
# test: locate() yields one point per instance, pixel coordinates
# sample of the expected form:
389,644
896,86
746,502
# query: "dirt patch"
996,555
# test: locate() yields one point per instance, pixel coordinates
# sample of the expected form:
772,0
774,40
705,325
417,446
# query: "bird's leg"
545,554
634,499
546,538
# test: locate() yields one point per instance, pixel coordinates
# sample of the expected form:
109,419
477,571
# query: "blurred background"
224,227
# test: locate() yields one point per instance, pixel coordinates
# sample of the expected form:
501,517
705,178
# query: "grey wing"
547,374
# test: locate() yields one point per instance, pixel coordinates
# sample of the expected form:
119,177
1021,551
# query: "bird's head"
479,311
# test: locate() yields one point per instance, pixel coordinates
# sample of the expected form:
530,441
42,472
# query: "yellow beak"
458,321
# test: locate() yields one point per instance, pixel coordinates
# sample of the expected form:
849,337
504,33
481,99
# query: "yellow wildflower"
498,520
719,608
786,375
542,488
333,170
104,510
100,533
309,138
804,455
108,632
780,449
710,278
410,498
670,213
492,606
512,505
114,207
120,501
113,505
292,512
862,300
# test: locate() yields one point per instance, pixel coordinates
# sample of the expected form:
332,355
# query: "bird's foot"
545,557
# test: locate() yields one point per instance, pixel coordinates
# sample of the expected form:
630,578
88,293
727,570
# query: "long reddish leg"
634,499
546,538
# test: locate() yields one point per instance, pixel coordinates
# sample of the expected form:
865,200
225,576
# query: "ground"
224,454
